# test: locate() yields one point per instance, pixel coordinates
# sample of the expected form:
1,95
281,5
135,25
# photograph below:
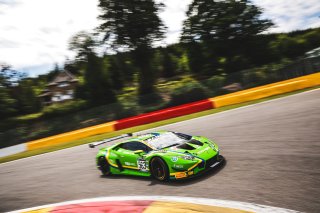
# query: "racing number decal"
142,165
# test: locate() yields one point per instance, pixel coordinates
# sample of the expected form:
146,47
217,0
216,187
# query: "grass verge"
143,127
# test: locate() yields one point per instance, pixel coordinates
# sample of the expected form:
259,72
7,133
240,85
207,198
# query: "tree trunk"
142,57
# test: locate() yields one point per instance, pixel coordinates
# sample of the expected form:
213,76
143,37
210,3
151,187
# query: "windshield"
165,140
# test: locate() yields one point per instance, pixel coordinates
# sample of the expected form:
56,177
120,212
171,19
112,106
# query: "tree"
7,78
97,83
223,20
169,66
83,44
26,98
96,87
224,27
53,73
6,103
133,25
116,75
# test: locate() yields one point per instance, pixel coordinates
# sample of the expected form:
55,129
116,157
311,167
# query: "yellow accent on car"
107,158
190,173
130,167
192,167
115,165
180,175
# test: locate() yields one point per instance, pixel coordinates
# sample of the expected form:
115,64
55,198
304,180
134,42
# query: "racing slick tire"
104,166
159,169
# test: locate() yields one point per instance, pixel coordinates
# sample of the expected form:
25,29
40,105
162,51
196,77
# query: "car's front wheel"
159,169
104,166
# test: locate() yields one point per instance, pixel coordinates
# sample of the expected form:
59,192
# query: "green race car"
163,155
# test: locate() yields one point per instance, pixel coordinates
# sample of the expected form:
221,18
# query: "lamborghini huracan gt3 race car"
163,155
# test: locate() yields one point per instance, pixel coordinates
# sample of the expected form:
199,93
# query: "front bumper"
209,165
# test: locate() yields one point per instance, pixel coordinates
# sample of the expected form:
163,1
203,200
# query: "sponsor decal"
142,165
188,157
151,137
178,166
180,175
202,151
174,159
129,164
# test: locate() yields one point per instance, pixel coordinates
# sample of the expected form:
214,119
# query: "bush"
188,93
254,78
63,108
150,99
215,84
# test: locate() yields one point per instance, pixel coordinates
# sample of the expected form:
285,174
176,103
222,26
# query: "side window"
134,146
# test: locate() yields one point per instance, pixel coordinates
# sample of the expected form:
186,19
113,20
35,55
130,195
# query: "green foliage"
133,24
6,103
215,29
8,78
223,20
215,84
97,86
150,99
188,92
63,108
183,63
27,100
115,72
261,75
196,58
312,38
236,63
254,78
82,44
130,23
146,78
169,64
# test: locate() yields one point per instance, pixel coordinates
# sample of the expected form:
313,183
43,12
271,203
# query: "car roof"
145,137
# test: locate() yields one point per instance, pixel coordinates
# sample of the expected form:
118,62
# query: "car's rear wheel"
104,166
159,169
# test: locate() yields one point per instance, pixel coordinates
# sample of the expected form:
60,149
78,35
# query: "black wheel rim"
104,167
158,170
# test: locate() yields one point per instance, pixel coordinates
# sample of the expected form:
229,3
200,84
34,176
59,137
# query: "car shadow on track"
182,182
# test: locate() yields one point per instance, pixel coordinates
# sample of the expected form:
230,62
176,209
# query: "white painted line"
202,201
202,117
11,150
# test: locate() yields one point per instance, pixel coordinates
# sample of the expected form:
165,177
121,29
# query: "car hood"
197,147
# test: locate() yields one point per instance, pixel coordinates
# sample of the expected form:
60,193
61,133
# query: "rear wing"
94,144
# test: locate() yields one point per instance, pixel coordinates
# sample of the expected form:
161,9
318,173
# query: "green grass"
142,127
29,116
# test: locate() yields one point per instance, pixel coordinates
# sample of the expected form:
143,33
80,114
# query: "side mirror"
138,151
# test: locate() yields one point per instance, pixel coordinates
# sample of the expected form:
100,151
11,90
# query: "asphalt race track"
272,151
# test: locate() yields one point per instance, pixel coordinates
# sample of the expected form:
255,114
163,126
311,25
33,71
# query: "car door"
131,160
